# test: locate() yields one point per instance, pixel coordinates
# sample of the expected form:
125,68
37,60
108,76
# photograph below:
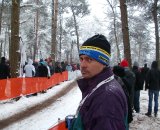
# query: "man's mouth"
83,72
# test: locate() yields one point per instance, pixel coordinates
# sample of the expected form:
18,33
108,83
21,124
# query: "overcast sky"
94,23
97,7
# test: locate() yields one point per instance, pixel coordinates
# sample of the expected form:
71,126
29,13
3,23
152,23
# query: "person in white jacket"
29,69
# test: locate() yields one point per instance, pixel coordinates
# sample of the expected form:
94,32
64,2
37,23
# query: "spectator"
4,69
29,69
35,64
63,66
120,77
58,67
69,67
138,86
24,66
144,71
129,78
51,68
153,86
104,104
42,70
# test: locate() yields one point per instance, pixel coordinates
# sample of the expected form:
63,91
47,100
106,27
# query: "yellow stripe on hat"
95,48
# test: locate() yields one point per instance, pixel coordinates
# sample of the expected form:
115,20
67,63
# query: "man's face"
90,67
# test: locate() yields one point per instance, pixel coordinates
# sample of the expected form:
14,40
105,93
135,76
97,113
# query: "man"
153,84
138,86
43,69
4,69
104,104
144,71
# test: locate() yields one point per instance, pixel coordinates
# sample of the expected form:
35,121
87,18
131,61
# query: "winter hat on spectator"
124,63
119,71
42,62
3,59
98,48
136,64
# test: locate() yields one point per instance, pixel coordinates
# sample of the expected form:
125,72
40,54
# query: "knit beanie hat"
3,59
136,64
119,71
98,48
124,63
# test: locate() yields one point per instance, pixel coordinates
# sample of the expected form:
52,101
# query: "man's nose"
83,63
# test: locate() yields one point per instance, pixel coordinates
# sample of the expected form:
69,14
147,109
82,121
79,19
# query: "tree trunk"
60,37
125,32
1,44
14,50
54,29
67,56
76,28
1,13
36,32
71,52
154,13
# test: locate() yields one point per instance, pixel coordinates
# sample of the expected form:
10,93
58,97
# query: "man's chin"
85,76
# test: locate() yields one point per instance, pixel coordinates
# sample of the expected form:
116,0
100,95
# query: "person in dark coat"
144,71
51,67
138,86
153,86
58,67
42,70
4,69
129,78
104,104
119,76
63,65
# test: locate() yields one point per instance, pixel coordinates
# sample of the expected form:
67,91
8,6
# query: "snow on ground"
142,122
64,106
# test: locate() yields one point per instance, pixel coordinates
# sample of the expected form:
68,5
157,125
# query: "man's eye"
90,59
81,59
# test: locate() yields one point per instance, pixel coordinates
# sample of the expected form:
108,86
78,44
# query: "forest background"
56,28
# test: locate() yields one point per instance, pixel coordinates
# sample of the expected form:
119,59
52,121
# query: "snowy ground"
63,106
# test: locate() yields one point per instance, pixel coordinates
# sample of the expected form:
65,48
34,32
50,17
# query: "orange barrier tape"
14,87
59,126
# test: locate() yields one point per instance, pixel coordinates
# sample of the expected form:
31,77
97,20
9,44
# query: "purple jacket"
106,108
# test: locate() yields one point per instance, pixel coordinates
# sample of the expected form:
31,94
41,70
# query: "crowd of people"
41,68
137,79
46,68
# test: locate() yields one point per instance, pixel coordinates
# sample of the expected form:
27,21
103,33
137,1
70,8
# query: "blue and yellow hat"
98,48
